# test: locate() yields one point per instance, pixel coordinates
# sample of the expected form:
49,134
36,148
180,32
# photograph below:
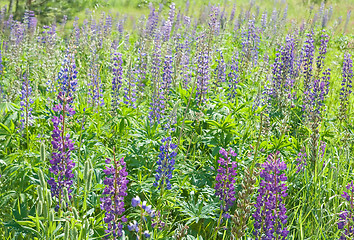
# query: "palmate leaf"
21,227
196,211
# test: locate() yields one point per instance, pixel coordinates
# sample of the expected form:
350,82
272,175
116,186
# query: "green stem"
217,227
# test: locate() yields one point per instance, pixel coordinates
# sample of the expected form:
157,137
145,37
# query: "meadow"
186,121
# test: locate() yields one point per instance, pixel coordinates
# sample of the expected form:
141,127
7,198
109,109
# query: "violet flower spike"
346,217
225,180
113,197
166,161
270,215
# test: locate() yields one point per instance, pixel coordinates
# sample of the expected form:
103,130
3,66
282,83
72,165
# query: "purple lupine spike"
117,79
347,20
157,101
166,161
171,13
250,43
214,24
141,69
67,77
346,217
129,94
232,14
307,59
264,19
280,92
167,75
48,36
220,69
30,20
166,30
26,103
112,202
325,19
76,31
233,76
61,163
318,93
322,51
95,85
108,25
146,210
346,90
270,215
225,180
301,160
203,75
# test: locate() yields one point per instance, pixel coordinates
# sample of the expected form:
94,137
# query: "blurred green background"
48,11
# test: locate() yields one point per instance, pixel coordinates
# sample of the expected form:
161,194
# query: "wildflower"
346,90
225,180
165,162
117,79
270,215
26,102
346,217
61,162
113,197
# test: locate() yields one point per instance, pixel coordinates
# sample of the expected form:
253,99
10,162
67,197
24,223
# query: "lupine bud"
40,193
66,196
89,180
45,210
39,208
76,214
51,216
49,198
43,153
41,179
67,231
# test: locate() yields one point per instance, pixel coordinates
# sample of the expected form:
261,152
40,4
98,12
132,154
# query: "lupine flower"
307,59
117,79
26,103
346,90
202,71
165,163
214,26
95,85
158,101
264,20
232,14
347,20
225,180
250,43
67,76
129,94
315,108
167,76
280,90
48,35
61,163
220,70
346,217
301,160
146,210
30,20
113,197
270,215
141,69
322,51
